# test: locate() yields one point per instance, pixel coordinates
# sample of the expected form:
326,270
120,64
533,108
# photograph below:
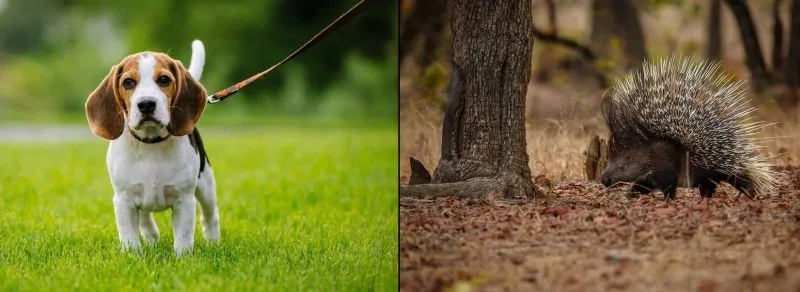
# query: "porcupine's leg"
639,188
668,185
669,192
707,188
706,180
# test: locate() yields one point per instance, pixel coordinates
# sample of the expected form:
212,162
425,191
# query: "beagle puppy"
148,107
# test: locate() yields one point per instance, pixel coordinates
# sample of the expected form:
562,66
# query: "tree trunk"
715,31
777,39
629,29
552,37
551,16
483,134
618,18
426,20
792,67
602,27
747,30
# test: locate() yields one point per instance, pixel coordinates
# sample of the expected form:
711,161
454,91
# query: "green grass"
302,208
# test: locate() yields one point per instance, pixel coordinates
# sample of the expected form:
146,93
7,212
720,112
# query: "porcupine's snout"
655,160
615,173
621,168
605,178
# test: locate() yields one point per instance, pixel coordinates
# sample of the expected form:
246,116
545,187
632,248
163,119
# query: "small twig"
553,38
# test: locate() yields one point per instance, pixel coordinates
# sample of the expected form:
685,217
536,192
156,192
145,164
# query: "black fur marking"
148,140
197,143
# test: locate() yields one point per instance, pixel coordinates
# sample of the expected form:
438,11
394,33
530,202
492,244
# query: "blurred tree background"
582,46
53,53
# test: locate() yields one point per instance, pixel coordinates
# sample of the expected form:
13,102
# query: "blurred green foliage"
53,53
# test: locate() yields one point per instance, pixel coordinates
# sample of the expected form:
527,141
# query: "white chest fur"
152,177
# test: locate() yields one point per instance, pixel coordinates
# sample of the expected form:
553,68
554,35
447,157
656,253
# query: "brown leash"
347,16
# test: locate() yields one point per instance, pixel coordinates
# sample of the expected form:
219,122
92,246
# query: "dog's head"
149,93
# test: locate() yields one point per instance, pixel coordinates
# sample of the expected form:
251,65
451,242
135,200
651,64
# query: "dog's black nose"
147,106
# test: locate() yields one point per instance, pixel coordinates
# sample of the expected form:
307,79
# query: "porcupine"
676,110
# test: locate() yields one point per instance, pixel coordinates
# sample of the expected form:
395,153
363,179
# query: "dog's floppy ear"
188,104
103,111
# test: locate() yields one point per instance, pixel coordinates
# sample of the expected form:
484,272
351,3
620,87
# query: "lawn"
302,208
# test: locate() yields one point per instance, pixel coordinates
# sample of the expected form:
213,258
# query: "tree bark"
596,158
419,175
747,30
483,133
715,31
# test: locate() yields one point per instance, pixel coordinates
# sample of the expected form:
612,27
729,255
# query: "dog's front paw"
182,250
150,236
148,227
150,233
211,228
212,237
131,247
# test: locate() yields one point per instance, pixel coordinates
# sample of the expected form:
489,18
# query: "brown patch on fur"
129,68
187,97
165,67
105,108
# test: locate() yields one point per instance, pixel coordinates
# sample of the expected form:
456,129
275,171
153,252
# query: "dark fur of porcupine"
676,109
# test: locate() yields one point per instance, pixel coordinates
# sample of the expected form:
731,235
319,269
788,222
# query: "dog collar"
148,140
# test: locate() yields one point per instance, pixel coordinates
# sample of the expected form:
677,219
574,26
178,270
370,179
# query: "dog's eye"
128,83
163,80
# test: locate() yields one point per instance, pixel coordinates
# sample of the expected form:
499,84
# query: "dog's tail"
198,60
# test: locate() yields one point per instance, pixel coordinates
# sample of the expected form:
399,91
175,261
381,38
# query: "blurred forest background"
580,47
53,53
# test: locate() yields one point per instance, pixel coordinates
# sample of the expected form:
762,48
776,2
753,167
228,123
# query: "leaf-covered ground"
582,237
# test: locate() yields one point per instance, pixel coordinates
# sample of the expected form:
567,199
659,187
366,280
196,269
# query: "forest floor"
583,237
